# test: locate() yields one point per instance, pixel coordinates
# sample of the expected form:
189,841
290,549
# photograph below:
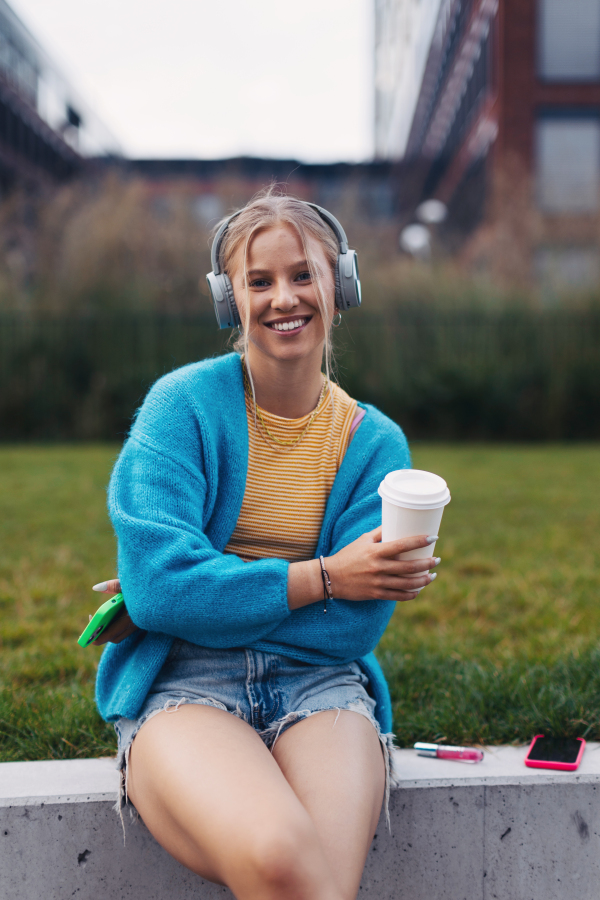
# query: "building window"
564,271
569,40
568,165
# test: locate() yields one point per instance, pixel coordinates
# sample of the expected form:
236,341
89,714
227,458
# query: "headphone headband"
328,218
215,250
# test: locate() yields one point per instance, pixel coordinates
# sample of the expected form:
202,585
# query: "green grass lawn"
503,645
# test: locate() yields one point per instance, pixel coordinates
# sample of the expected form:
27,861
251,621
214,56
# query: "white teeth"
288,326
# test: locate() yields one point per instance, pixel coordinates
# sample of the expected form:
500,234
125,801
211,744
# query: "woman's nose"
284,298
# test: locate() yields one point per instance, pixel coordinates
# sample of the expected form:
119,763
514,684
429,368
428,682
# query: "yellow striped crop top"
287,488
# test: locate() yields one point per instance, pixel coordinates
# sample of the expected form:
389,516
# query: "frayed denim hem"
269,736
122,761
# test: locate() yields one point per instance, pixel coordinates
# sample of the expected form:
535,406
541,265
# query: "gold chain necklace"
295,441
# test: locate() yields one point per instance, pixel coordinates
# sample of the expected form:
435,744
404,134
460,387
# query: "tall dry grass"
504,251
118,243
102,246
125,244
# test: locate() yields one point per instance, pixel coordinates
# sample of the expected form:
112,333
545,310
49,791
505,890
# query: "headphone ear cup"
347,281
339,300
228,291
221,291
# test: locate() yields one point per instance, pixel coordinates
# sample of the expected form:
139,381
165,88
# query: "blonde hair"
268,208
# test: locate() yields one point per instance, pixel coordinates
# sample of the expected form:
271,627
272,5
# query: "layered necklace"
289,445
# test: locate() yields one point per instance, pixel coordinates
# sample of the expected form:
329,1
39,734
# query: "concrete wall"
495,831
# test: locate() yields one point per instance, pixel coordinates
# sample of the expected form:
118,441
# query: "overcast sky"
214,78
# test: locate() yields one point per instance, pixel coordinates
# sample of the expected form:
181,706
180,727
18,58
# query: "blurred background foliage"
102,290
121,243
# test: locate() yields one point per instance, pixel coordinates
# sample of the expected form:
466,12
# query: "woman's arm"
173,579
173,496
176,582
366,569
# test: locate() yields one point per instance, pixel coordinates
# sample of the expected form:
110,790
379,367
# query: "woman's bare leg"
334,763
213,796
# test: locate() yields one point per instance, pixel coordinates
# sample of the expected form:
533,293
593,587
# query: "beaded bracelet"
327,592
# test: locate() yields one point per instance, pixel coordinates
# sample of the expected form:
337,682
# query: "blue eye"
260,282
303,276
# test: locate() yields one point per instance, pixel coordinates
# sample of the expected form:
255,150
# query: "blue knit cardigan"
174,499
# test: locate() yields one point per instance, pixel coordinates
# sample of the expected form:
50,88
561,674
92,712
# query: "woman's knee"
286,857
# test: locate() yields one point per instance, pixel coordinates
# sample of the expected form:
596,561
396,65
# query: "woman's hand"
367,569
121,626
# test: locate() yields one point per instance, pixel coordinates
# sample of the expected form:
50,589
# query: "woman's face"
285,320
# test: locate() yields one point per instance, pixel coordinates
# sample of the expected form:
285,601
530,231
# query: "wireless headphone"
347,280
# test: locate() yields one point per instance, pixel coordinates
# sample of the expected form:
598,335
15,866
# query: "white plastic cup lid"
414,489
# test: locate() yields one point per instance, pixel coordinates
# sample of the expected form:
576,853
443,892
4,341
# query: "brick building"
496,104
369,190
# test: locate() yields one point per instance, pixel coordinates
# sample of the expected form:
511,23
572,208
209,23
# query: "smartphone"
101,620
555,753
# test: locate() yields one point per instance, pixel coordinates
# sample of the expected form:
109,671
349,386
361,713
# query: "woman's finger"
399,596
369,537
407,584
402,545
120,628
108,587
117,638
114,627
405,597
404,567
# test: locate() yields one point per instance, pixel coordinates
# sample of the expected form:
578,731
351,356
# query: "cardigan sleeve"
350,629
360,509
353,629
173,579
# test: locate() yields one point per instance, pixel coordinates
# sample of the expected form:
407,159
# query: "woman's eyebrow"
295,265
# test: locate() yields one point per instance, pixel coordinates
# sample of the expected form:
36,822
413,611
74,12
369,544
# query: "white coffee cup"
412,503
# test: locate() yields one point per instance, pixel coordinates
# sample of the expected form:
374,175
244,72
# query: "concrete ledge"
495,831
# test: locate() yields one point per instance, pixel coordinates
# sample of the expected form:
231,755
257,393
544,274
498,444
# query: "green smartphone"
101,620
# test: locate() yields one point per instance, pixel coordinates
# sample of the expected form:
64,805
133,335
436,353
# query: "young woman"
251,714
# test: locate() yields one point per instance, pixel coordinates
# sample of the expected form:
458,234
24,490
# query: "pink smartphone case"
546,764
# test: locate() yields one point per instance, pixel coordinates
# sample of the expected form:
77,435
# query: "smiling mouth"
290,324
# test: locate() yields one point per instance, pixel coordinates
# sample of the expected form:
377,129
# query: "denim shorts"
268,691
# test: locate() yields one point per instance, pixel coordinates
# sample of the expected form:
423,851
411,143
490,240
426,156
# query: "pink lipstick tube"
441,751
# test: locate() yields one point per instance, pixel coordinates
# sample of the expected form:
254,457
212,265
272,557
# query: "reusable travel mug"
412,502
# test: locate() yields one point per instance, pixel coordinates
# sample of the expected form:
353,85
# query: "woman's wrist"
334,575
305,585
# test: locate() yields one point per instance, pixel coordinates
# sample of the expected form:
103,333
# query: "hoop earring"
337,316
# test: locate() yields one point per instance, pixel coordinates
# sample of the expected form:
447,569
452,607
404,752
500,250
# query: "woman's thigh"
333,760
211,793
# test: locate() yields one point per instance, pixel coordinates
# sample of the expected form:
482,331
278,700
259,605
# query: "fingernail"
101,588
432,538
437,560
433,576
